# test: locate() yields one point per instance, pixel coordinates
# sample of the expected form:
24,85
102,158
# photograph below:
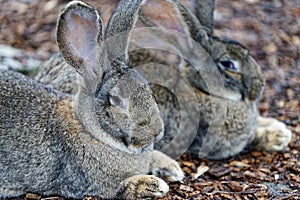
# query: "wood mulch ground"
269,28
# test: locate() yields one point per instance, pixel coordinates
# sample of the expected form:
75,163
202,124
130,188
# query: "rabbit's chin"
159,136
231,95
137,150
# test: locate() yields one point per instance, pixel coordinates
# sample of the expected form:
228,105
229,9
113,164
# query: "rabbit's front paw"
144,187
172,172
271,135
163,165
6,192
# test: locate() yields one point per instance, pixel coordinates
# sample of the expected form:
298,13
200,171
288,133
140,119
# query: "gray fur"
204,11
242,88
96,142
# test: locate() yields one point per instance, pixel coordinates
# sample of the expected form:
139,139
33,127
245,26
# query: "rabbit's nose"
145,122
255,89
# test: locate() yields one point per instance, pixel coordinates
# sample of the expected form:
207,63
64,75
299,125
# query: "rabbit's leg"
144,187
7,192
163,165
271,135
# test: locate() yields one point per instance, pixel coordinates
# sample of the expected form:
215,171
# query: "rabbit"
58,74
243,85
235,106
96,142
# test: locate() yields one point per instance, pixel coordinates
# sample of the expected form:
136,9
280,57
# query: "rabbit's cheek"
121,119
153,132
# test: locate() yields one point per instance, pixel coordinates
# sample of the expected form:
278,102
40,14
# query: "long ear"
165,29
117,34
162,14
197,31
79,33
204,11
174,15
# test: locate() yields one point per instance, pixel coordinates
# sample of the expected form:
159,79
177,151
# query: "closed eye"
116,101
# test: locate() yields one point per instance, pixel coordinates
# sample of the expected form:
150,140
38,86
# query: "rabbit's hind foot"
271,135
144,187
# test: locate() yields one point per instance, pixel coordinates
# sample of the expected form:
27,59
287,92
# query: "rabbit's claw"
145,187
163,165
271,135
172,172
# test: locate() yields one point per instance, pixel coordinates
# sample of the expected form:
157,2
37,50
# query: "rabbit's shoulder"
37,108
22,90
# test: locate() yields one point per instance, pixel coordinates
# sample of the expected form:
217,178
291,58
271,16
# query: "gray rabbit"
242,86
97,142
228,121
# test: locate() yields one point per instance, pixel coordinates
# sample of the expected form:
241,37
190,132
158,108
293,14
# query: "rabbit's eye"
116,101
227,64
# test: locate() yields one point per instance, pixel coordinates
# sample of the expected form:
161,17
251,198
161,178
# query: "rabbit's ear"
204,11
79,33
162,14
174,15
117,34
197,31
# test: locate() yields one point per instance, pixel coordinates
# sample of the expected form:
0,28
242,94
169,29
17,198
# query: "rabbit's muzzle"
255,89
144,135
253,80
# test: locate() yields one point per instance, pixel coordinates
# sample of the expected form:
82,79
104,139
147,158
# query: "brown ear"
162,14
79,33
176,15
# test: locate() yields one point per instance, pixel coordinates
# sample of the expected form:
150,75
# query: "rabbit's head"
114,103
242,76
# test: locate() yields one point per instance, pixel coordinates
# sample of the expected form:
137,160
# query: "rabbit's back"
59,74
30,155
37,150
